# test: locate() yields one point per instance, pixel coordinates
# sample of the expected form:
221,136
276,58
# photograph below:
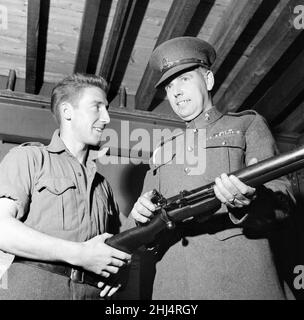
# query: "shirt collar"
204,119
95,153
57,146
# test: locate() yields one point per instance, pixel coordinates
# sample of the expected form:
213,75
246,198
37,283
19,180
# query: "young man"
227,256
55,208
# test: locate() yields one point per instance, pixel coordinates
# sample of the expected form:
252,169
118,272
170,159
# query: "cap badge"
166,64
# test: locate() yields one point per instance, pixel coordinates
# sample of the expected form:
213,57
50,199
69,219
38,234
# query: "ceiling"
259,43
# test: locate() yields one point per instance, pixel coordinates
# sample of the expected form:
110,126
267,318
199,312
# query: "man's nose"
177,90
104,116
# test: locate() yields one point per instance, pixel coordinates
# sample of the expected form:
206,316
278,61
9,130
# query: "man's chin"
187,118
95,143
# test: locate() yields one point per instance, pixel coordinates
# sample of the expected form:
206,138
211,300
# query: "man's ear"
66,110
209,79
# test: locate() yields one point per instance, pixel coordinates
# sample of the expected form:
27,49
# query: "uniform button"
207,117
190,149
195,130
224,143
79,174
187,170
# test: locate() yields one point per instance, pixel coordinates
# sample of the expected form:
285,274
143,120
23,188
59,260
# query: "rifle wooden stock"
202,201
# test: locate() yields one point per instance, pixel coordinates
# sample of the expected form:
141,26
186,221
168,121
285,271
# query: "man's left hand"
107,290
233,192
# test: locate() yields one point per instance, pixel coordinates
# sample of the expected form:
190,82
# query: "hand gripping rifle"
202,201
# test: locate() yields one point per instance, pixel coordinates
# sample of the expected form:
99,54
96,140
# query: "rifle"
202,201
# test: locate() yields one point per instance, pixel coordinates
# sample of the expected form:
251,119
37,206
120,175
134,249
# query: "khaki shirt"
55,194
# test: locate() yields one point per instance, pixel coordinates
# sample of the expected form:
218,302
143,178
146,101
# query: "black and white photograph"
151,153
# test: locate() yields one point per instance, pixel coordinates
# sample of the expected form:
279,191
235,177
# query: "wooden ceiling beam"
37,21
93,23
256,28
126,24
119,27
23,118
262,58
230,27
20,99
173,27
289,85
294,122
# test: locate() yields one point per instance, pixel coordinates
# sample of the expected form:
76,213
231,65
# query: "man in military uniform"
228,255
56,209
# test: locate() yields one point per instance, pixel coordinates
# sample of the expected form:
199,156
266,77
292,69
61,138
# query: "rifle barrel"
258,173
202,200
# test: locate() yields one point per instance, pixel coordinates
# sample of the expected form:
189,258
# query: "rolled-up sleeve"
17,171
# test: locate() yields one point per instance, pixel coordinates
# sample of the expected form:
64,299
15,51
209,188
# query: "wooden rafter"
37,21
284,90
33,28
173,27
125,27
118,29
231,25
41,102
263,57
26,117
294,122
89,44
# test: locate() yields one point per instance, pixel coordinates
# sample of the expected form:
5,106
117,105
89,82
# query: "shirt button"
187,170
195,130
190,149
79,174
224,143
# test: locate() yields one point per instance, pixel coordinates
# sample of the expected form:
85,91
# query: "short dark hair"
69,89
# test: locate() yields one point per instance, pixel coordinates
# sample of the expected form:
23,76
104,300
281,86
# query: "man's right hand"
98,257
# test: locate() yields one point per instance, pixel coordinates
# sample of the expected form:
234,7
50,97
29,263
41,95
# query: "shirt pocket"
59,195
224,154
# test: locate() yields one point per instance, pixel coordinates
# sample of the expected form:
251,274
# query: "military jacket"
212,259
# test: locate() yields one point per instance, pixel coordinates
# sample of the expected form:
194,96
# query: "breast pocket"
58,200
224,154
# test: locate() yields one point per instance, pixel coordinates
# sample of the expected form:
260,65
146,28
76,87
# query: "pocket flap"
228,141
55,185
